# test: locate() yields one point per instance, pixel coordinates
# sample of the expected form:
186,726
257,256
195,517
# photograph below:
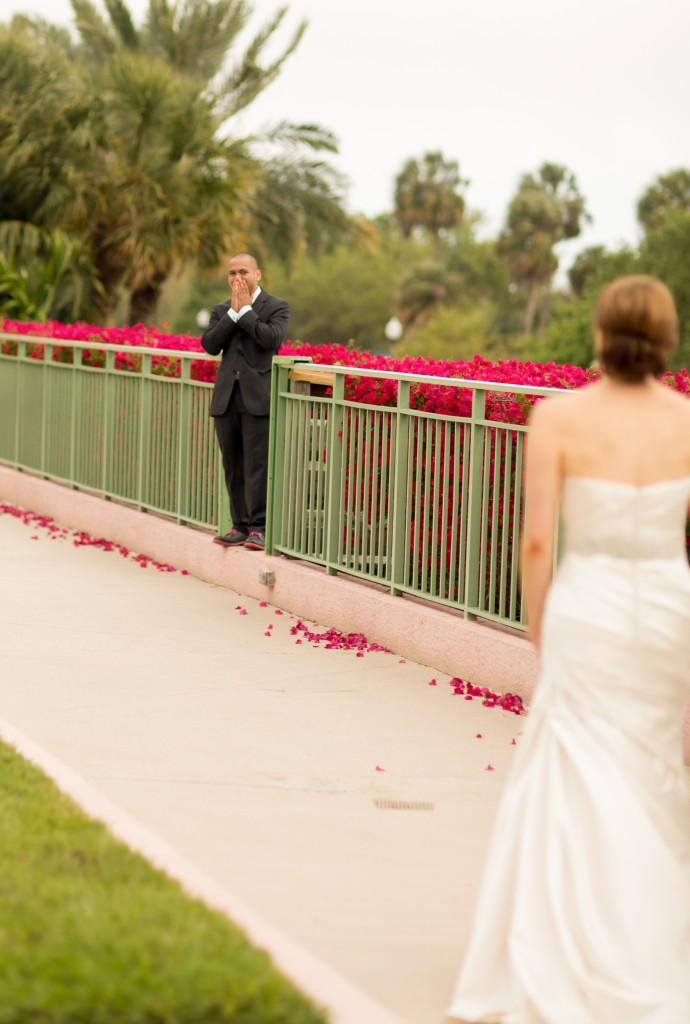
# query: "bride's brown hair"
639,327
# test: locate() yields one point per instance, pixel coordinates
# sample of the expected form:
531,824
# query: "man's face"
245,269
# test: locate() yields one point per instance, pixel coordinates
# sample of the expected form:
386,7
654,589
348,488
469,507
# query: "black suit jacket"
248,347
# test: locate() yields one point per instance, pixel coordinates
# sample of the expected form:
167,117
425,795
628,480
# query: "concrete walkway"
344,799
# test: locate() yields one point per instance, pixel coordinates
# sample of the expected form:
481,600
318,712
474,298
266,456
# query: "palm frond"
196,38
43,32
314,136
237,90
298,204
96,35
122,22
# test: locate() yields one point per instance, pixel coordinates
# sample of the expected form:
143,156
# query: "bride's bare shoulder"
675,400
561,407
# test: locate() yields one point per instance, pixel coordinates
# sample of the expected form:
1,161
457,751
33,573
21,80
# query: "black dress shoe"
256,541
231,538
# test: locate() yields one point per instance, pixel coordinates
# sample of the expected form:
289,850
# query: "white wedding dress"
584,910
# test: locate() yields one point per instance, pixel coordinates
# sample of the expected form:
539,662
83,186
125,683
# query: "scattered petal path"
80,538
331,639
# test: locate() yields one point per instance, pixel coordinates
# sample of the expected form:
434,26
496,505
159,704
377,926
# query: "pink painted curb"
440,638
345,1003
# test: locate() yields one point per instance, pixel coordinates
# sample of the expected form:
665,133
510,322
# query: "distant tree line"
456,295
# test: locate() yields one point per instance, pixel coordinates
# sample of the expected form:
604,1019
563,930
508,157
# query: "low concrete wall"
442,639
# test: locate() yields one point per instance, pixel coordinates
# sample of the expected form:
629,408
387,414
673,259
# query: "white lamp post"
393,329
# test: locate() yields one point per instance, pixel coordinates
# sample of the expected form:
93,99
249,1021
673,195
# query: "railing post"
75,417
397,515
21,357
144,431
45,404
108,422
334,475
474,514
184,427
280,384
223,498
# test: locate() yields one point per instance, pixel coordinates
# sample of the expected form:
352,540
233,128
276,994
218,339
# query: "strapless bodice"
625,520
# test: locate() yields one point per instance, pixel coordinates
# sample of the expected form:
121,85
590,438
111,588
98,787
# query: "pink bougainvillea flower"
505,701
333,639
432,682
379,768
479,736
490,768
263,604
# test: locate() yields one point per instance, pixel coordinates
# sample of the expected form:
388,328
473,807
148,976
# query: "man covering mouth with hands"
248,330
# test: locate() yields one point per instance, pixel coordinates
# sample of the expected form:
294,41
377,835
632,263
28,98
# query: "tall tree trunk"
143,304
110,275
104,302
531,310
545,310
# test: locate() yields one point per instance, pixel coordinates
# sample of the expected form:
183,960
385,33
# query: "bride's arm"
543,478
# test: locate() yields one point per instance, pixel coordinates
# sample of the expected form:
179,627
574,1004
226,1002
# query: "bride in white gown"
584,911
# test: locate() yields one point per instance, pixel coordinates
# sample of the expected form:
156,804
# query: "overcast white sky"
499,85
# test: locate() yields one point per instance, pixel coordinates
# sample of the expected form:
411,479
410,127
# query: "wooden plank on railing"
312,377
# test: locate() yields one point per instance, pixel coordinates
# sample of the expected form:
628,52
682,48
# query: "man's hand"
240,294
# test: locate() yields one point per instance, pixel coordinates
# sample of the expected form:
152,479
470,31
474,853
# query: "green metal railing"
422,503
118,429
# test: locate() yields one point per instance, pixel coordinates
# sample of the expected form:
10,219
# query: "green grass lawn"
91,934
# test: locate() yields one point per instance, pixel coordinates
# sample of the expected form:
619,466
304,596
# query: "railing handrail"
106,346
359,371
459,382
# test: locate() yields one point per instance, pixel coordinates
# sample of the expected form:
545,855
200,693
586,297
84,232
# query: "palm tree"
427,196
169,186
668,193
45,145
46,191
177,186
545,210
124,140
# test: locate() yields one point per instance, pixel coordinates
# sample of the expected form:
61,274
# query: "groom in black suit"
248,329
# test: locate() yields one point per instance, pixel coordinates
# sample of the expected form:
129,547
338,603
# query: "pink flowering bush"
371,390
138,336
